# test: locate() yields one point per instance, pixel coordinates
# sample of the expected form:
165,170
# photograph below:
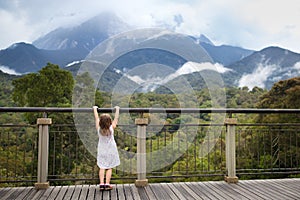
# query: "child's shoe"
102,187
108,187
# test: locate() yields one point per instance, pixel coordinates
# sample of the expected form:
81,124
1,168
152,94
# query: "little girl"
107,155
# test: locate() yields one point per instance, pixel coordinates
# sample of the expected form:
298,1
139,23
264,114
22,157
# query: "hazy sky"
252,24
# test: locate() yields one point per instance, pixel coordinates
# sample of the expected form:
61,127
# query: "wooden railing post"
141,152
43,146
230,150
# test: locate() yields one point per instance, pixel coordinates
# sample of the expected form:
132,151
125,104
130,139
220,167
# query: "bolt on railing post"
141,152
230,150
43,151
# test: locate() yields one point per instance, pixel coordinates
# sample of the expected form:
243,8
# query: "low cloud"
297,66
8,70
152,76
258,77
191,67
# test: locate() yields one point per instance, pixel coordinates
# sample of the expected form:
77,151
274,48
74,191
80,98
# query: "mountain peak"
276,50
205,39
21,45
86,35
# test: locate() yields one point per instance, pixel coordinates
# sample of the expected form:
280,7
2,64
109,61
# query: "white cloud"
7,70
161,74
297,66
13,29
191,67
258,77
250,24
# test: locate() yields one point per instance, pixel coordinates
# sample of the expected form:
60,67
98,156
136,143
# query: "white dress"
107,155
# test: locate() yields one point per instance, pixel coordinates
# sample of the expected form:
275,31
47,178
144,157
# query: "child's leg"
108,176
101,175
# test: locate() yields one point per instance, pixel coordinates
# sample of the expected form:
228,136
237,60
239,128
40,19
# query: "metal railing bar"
151,110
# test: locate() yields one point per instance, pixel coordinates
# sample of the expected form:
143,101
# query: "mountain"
63,45
264,68
143,56
66,45
85,36
225,54
24,58
146,64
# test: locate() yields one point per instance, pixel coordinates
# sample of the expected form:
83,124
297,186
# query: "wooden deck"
244,189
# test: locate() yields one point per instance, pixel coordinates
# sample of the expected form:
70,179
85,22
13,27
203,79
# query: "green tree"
284,94
51,86
84,92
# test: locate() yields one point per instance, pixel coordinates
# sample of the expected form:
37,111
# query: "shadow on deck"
244,189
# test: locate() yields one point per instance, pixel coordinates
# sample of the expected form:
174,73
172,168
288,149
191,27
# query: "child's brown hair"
105,122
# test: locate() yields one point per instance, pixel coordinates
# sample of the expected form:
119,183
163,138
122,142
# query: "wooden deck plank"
184,190
69,192
198,191
176,191
120,192
150,193
54,193
91,193
114,193
208,192
30,194
106,194
37,194
252,191
222,193
244,189
258,189
3,191
47,193
159,191
142,193
25,193
135,192
61,193
98,193
289,184
9,193
189,190
12,193
270,186
169,191
84,192
226,190
77,191
127,192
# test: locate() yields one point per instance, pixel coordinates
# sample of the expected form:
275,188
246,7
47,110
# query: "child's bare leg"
108,175
101,175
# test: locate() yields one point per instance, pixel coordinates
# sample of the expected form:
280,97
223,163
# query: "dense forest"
53,87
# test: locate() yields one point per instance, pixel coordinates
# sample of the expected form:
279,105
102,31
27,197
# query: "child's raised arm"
115,122
96,117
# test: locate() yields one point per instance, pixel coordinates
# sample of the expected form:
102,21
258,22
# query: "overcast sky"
252,24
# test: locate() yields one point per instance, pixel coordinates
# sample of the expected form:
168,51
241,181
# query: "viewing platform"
226,160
